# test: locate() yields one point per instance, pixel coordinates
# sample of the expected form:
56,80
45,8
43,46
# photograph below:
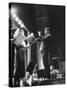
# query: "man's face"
51,68
46,30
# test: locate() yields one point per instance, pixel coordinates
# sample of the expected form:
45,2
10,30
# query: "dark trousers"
33,58
41,73
46,65
20,66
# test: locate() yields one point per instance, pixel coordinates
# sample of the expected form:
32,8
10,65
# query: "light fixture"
13,12
22,25
16,19
19,22
14,15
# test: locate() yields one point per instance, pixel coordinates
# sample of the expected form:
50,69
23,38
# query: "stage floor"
49,82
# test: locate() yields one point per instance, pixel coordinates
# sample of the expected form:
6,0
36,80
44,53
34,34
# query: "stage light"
13,12
22,25
16,19
19,22
13,15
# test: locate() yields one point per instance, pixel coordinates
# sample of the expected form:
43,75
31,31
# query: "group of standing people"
39,56
39,49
